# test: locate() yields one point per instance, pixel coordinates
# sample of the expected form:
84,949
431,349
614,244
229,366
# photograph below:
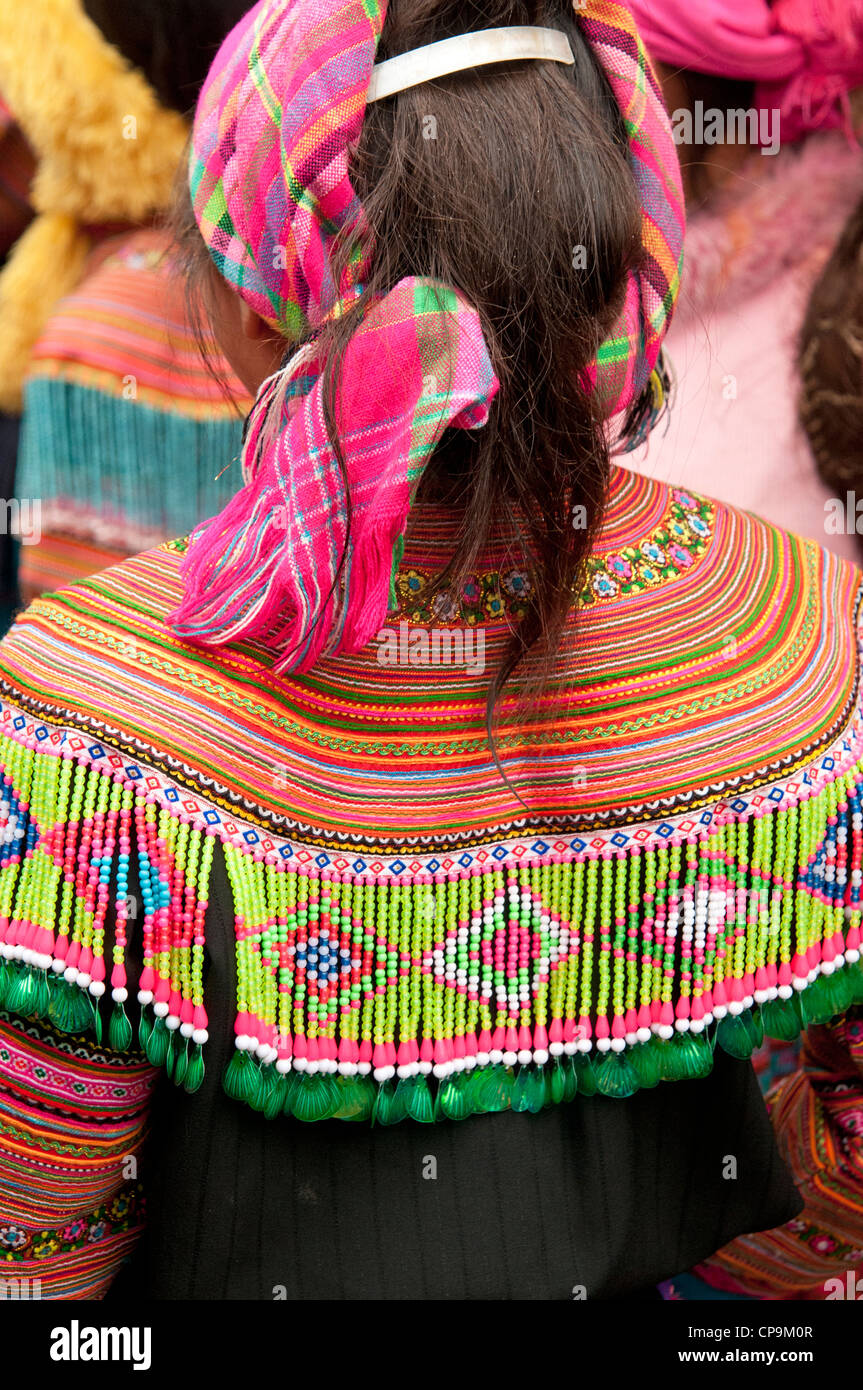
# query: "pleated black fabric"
605,1196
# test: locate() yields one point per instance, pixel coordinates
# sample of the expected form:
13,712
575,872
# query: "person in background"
94,347
767,208
455,793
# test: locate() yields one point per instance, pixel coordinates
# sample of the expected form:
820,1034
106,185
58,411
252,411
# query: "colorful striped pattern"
682,864
818,1117
122,419
71,1116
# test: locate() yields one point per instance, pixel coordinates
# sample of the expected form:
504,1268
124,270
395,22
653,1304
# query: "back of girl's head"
511,183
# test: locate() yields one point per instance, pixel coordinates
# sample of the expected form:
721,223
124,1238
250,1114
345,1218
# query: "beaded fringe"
57,463
439,994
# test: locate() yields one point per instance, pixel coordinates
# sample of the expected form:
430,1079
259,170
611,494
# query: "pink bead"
365,1050
427,1050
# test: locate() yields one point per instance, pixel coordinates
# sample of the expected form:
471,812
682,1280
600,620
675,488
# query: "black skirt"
598,1198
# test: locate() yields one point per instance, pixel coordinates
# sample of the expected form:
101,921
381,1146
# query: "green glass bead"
558,1083
734,1037
158,1043
22,996
615,1075
528,1092
780,1019
358,1095
315,1097
238,1082
452,1103
194,1071
820,1001
584,1073
646,1058
181,1063
417,1099
385,1105
119,1029
274,1085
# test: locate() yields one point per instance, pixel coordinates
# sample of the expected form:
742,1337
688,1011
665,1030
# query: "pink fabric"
805,55
271,565
269,173
751,263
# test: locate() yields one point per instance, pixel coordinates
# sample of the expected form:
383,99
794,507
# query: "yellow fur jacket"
106,151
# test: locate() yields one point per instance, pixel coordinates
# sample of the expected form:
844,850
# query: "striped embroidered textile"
72,1114
818,1117
122,419
680,865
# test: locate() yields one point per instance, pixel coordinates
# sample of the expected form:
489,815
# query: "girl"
450,815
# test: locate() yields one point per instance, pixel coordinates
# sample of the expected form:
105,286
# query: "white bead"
200,1036
495,1056
556,1049
643,1035
666,1031
384,1073
160,1009
827,967
524,1056
186,1030
735,1008
696,1025
617,1044
57,966
302,1064
681,1025
97,988
70,974
483,1059
145,996
283,1066
424,1068
172,1021
540,1056
313,1068
603,1044
83,979
510,1059
119,995
583,1045
786,992
570,1048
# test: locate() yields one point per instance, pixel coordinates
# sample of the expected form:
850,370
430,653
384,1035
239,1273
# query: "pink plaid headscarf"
804,55
280,111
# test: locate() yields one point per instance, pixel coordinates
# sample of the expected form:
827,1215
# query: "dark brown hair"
830,359
489,181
